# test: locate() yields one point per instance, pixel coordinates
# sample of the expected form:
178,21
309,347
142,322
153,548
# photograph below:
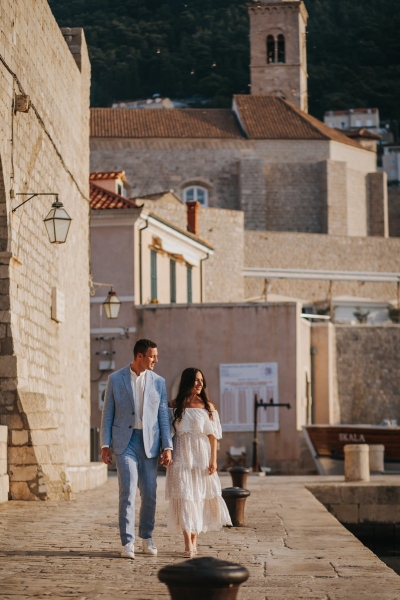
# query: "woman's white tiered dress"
195,501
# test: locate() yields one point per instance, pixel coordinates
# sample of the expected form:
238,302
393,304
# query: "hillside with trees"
181,48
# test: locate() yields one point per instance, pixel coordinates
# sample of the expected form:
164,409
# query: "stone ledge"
4,488
86,477
375,502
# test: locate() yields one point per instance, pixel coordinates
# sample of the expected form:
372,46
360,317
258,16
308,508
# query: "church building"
265,156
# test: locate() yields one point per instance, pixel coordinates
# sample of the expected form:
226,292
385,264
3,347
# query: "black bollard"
235,498
239,476
202,578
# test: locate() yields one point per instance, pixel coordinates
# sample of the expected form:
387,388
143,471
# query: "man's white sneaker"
149,547
128,551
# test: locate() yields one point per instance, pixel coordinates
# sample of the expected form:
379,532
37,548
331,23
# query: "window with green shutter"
189,285
172,280
153,274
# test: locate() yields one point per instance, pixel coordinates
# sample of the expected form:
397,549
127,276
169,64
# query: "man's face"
150,359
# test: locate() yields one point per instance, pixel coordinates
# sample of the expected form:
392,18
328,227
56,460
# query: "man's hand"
106,456
166,458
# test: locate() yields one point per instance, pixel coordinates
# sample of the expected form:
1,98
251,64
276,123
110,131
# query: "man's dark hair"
142,346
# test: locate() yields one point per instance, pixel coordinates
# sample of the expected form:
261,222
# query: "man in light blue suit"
135,425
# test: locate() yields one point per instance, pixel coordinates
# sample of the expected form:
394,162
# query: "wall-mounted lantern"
57,221
112,303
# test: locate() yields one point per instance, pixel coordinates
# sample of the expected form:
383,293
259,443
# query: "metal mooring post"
255,463
235,500
239,476
203,578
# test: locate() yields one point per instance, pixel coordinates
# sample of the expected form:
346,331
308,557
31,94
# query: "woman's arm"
212,467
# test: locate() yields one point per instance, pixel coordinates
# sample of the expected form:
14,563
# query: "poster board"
238,385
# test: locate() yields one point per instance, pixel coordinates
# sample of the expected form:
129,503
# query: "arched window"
276,49
281,48
195,192
270,49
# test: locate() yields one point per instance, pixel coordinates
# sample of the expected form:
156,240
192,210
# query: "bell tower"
278,59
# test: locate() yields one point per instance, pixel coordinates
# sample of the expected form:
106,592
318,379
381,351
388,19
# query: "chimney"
193,216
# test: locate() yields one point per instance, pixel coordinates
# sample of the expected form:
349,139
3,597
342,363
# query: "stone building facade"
283,168
44,348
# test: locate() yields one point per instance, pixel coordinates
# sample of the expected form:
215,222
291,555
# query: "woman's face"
198,383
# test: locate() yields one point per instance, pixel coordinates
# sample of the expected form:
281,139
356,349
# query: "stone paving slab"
293,547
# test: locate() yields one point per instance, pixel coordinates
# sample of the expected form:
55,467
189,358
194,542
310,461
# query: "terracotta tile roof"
101,199
261,117
176,123
96,175
272,118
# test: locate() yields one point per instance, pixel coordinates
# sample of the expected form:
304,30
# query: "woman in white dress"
193,487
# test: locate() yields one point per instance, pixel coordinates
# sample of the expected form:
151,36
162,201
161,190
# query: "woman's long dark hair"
185,388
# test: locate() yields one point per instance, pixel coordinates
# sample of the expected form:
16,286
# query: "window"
153,275
281,48
189,284
276,49
119,189
270,49
196,193
172,280
358,123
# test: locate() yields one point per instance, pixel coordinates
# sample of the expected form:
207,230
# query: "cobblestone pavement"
293,548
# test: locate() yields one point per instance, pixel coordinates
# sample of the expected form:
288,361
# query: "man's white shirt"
138,383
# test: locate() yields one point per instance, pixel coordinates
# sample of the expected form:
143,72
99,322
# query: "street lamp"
112,304
57,221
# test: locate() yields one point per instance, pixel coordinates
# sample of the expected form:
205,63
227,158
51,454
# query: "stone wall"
379,219
294,198
357,202
4,478
335,188
313,251
368,373
279,184
44,364
252,193
394,210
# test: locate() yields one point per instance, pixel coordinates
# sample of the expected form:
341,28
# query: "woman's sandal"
188,554
194,551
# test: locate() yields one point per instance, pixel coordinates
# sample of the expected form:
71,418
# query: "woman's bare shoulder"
212,407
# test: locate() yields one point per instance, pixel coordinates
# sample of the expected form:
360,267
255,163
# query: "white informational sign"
102,389
238,385
57,305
